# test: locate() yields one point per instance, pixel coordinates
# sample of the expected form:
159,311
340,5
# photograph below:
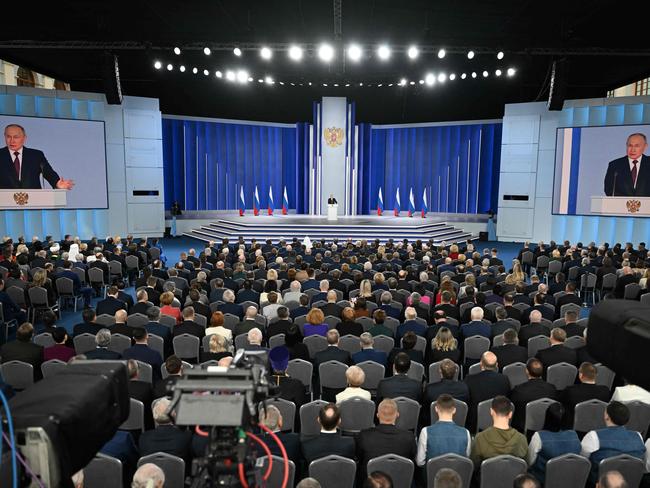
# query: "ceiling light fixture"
295,53
383,52
442,53
207,51
157,65
266,53
470,54
326,52
237,52
354,52
500,55
177,51
413,52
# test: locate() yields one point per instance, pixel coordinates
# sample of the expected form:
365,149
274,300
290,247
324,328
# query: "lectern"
627,206
332,211
32,199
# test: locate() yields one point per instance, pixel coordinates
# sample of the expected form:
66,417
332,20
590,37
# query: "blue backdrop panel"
457,166
206,164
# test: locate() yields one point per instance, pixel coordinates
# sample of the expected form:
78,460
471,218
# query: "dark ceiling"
603,42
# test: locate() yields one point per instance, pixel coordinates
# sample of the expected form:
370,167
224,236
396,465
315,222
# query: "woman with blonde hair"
218,346
365,290
453,252
443,346
517,274
41,280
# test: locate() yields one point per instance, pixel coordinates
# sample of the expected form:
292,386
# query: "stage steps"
317,229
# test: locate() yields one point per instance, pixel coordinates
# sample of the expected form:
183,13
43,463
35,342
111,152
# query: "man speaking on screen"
629,176
21,167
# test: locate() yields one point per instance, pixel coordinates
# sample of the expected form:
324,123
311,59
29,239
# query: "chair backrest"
462,465
537,343
501,470
357,414
374,374
366,323
277,471
567,471
276,341
17,295
301,370
350,343
561,375
241,341
474,369
135,421
516,373
132,262
145,372
287,410
498,340
384,343
333,471
630,467
230,321
52,367
392,323
107,320
536,413
186,346
309,417
44,339
399,468
570,307
589,415
168,320
604,376
315,343
574,342
119,343
96,275
137,320
18,374
409,411
434,372
631,291
475,346
522,307
416,371
103,472
460,417
465,307
172,466
163,370
639,417
37,296
156,343
64,286
331,321
84,343
332,375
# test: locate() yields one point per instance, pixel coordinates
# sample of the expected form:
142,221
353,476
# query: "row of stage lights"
326,52
430,79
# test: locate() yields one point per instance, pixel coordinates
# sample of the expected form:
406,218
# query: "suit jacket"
28,352
399,385
527,392
142,352
509,354
531,330
574,394
331,309
291,443
622,282
291,389
110,305
483,386
618,179
140,307
122,328
279,327
244,327
103,353
33,165
332,353
143,391
370,355
233,309
169,439
189,327
564,299
555,355
384,439
325,444
457,389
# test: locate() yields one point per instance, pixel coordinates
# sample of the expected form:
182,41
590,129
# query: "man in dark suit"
447,385
329,441
502,323
140,390
140,351
587,389
247,294
569,297
627,278
272,419
23,349
111,303
103,340
476,326
446,305
281,325
142,305
155,327
539,305
534,328
10,309
558,352
22,167
188,326
485,385
166,437
331,308
229,305
247,324
508,302
533,389
400,385
385,438
332,353
511,352
367,352
571,326
303,309
120,327
630,175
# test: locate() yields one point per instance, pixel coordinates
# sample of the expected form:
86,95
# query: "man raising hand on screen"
630,175
21,167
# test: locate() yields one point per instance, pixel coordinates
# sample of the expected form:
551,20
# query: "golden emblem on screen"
333,136
633,206
21,198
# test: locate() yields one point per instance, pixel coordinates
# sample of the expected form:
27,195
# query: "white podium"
332,210
627,206
32,199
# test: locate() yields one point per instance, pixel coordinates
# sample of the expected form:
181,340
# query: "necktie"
17,164
634,172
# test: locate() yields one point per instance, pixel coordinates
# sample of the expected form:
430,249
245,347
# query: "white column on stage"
356,173
346,208
334,176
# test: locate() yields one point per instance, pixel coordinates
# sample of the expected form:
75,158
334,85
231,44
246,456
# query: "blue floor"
174,247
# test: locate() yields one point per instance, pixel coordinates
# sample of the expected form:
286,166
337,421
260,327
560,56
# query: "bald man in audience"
485,385
534,328
558,352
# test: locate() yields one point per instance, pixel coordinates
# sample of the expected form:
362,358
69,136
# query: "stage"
447,228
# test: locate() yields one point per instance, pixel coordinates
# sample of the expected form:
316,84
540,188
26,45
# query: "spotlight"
473,74
206,72
250,79
380,84
293,84
207,51
430,79
413,52
157,65
295,53
260,80
324,84
470,54
463,76
242,76
390,84
282,83
485,74
354,52
177,51
412,83
347,84
170,67
336,84
326,52
442,78
182,68
500,55
498,72
266,53
195,70
361,84
307,83
511,72
442,53
237,52
383,52
218,74
421,82
452,76
230,75
268,80
402,82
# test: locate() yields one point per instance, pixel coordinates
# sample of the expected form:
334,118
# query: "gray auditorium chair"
135,421
277,471
83,343
561,375
630,467
567,471
459,418
18,374
536,414
103,472
119,343
172,466
434,372
301,370
589,415
357,414
399,468
462,465
52,367
186,346
287,410
309,417
333,471
374,374
409,411
501,471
